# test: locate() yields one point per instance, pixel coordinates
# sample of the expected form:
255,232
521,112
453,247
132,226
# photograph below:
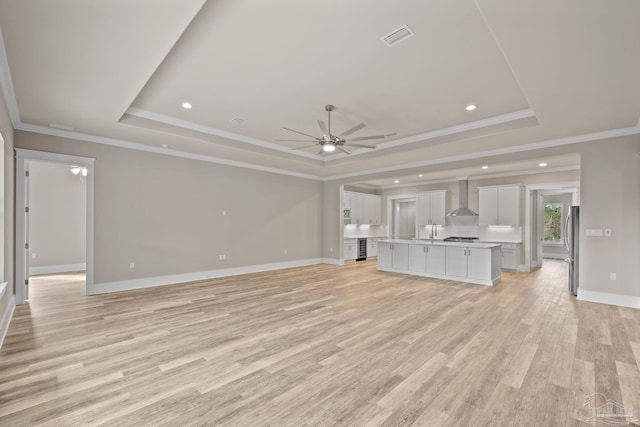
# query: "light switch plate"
594,232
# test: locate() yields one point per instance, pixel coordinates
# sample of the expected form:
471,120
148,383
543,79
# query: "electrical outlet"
285,251
132,264
330,249
612,276
607,232
33,255
224,257
224,213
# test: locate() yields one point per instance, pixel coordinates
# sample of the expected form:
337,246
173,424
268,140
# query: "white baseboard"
51,269
333,261
554,256
607,298
8,313
149,282
523,268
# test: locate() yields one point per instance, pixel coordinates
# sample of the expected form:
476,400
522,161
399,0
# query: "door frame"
391,199
22,159
563,187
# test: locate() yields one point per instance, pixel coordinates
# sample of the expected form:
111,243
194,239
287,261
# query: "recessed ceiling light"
470,107
328,148
237,120
420,175
186,105
396,182
542,165
165,145
485,167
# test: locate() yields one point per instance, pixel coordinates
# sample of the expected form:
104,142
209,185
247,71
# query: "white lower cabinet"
482,264
393,255
510,256
427,259
350,250
372,248
479,264
456,261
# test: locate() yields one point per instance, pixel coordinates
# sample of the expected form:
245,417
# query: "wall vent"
396,36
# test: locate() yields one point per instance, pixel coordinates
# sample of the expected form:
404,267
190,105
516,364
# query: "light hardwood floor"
319,345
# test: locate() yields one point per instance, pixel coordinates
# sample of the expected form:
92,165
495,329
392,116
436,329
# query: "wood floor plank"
317,345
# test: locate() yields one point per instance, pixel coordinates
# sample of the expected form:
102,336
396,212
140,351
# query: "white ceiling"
542,73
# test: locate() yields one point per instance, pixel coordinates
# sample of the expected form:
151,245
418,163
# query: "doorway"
404,218
82,169
552,200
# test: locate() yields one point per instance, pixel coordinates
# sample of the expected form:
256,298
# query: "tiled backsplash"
484,233
353,231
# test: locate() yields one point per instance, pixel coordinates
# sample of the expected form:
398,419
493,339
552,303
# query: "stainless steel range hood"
463,198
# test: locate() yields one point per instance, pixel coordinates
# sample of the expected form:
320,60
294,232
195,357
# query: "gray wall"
610,198
7,260
57,215
555,251
164,213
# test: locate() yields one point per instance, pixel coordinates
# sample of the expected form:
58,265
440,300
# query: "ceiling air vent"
396,36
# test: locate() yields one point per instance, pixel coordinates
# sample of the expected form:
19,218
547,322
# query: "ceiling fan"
329,142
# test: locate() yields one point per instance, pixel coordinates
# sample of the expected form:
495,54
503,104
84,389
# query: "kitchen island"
477,263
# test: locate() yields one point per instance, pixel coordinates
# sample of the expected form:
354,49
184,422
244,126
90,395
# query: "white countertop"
441,243
499,241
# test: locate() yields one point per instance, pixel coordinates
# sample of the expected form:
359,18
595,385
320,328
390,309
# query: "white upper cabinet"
431,208
363,208
499,205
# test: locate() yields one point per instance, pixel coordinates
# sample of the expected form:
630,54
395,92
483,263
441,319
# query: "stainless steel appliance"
572,242
362,250
460,239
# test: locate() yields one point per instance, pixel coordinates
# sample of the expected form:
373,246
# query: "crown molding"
172,121
481,177
464,127
6,83
498,152
157,150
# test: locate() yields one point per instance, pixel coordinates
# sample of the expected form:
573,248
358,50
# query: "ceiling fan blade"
342,149
352,130
361,146
301,133
364,138
294,140
323,128
306,146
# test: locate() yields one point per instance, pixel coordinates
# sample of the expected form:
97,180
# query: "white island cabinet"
393,255
476,263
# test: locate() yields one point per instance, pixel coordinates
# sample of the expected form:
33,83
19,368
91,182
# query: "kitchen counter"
478,263
442,243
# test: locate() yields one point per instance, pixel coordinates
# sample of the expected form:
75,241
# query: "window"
553,226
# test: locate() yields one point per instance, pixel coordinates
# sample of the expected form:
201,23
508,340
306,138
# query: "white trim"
51,269
497,152
523,268
184,124
149,282
571,186
6,83
451,130
158,150
6,318
607,298
475,177
22,157
333,261
554,256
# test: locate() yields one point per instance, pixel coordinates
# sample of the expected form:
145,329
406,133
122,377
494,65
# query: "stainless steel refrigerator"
572,242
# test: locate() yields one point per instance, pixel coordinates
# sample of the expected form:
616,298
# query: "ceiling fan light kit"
329,142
